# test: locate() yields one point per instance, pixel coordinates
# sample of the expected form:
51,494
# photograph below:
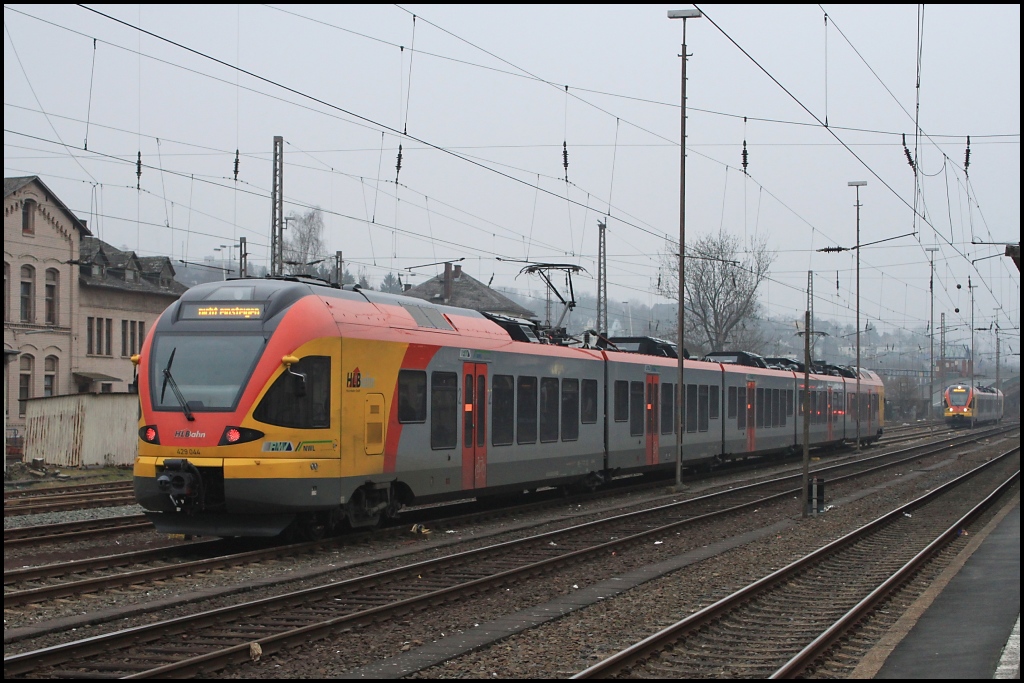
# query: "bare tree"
721,305
304,242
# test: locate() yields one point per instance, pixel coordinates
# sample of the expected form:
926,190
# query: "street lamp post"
858,184
931,334
683,14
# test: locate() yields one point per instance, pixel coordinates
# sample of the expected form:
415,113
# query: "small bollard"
816,495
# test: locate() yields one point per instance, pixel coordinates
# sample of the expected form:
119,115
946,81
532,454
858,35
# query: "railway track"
59,499
67,579
47,582
202,643
804,609
74,531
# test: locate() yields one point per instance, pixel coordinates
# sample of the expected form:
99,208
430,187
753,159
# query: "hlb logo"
185,434
354,379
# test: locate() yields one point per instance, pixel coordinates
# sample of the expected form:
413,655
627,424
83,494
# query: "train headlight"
149,434
237,435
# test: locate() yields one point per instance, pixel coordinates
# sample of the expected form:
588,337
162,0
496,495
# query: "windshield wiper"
169,379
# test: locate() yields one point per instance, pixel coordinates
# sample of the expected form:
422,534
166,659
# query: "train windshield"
958,397
210,371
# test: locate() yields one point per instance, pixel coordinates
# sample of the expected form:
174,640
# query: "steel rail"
823,643
469,561
643,649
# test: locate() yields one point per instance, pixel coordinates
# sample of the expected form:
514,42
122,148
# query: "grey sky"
496,113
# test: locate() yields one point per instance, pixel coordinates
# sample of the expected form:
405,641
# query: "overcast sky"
481,93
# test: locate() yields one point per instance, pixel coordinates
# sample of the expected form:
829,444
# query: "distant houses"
75,308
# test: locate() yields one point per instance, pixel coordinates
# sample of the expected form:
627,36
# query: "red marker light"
233,435
150,434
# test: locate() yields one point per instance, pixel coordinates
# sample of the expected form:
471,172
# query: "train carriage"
269,404
967,406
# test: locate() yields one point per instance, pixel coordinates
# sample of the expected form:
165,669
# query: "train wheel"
312,527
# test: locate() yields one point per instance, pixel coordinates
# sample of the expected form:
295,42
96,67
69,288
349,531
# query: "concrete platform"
964,626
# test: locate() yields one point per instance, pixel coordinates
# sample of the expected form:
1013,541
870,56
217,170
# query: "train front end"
959,406
228,377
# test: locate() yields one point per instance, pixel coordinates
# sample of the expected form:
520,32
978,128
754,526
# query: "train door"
828,416
652,419
474,425
751,433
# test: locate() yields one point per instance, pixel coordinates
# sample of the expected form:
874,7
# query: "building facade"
75,308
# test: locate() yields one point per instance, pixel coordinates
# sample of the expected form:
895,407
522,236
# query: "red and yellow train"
273,404
967,406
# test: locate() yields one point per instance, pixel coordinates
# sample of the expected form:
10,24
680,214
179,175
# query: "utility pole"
810,305
970,288
277,209
806,400
931,334
602,281
942,352
684,15
858,184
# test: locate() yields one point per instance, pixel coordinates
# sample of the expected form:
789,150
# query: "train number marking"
188,451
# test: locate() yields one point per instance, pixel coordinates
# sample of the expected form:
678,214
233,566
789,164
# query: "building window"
109,348
28,217
52,295
7,290
50,376
89,344
25,383
28,294
124,337
142,338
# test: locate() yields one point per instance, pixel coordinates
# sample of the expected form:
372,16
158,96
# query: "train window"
467,412
776,409
444,414
822,407
691,407
782,407
713,402
548,409
621,400
741,402
503,409
759,409
526,409
412,396
588,402
668,409
282,407
570,409
731,401
874,404
636,409
789,402
702,408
